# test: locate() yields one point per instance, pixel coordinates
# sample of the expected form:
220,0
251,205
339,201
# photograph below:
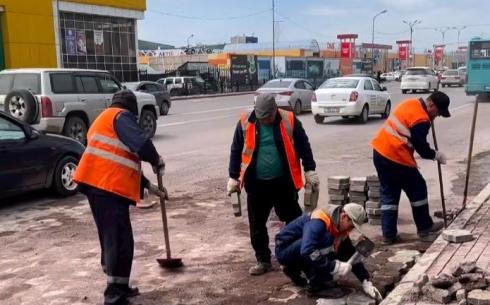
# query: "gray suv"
66,101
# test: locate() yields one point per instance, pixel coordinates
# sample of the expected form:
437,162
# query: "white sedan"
350,97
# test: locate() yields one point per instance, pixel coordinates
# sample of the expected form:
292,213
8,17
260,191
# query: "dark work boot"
295,277
436,227
260,268
391,240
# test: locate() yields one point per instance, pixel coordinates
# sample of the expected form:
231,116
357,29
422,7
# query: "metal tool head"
364,246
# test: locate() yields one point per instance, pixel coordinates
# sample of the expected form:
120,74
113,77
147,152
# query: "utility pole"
372,41
192,35
412,25
443,32
459,29
273,42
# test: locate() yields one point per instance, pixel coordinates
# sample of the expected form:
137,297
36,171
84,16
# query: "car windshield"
277,84
28,81
416,72
454,72
340,83
131,86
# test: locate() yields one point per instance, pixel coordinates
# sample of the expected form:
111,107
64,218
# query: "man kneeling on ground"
319,246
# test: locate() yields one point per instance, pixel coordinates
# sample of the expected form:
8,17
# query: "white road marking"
215,110
199,120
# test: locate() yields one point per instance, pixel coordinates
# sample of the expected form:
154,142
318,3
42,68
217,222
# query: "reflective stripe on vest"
107,163
249,143
393,139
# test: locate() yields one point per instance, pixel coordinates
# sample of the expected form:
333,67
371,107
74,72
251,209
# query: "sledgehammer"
364,246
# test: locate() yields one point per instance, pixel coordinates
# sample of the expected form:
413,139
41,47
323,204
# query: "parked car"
31,160
452,77
350,97
161,95
291,93
66,101
462,71
419,78
389,76
183,85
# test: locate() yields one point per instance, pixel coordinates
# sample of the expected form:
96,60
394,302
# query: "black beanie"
125,99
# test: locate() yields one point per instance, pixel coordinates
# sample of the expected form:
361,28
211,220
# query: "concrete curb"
190,97
401,293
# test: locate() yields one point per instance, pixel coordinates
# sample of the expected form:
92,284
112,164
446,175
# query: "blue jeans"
394,178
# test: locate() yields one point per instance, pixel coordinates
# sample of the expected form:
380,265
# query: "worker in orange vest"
109,174
404,132
265,158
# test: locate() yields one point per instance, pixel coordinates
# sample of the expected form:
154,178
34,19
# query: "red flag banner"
403,53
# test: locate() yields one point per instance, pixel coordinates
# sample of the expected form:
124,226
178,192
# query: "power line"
301,26
393,33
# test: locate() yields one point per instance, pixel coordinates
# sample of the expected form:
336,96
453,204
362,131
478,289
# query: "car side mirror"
124,87
30,133
383,88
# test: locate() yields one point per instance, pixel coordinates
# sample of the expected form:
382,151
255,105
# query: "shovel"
167,262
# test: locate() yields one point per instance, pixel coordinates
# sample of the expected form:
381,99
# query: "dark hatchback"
30,160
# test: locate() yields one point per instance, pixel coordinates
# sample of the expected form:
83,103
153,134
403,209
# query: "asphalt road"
50,250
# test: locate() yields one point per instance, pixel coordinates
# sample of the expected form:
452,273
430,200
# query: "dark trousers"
394,178
266,194
111,215
290,257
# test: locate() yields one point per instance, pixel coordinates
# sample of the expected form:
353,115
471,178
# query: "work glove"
341,269
159,169
154,190
232,186
312,178
440,157
370,290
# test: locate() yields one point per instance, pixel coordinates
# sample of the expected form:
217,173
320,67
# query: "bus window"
480,50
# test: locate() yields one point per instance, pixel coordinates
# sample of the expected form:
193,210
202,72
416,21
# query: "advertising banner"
70,36
347,49
81,43
99,42
243,69
438,53
403,53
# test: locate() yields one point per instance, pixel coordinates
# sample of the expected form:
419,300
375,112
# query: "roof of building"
148,45
300,44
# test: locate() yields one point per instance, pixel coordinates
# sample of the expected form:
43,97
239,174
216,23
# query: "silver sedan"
291,93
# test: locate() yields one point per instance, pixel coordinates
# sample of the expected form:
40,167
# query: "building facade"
86,34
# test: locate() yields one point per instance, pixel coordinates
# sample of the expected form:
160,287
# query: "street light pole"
273,42
459,29
192,35
372,41
412,25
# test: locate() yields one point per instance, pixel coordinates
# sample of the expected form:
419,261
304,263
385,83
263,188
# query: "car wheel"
318,119
22,105
387,111
164,108
404,91
297,108
63,182
363,118
148,122
345,117
436,88
76,128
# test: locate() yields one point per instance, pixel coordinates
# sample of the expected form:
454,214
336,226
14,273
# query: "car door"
299,94
156,91
22,160
89,93
108,87
309,94
371,95
381,96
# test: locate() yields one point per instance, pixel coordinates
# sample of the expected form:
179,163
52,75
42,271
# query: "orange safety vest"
286,126
338,235
393,139
107,163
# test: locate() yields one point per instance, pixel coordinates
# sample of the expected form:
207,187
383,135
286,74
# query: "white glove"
160,168
153,189
341,269
232,186
440,157
370,290
312,178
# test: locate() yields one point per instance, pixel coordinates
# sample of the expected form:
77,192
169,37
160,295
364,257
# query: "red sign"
438,53
347,50
403,53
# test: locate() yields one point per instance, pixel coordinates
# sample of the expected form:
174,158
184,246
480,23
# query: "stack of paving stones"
373,206
358,190
338,190
467,284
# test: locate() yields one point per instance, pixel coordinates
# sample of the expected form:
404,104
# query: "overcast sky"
215,21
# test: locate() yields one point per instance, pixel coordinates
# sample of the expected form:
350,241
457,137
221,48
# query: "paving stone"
372,204
370,211
339,186
434,294
422,280
359,298
465,267
374,195
357,190
338,197
457,235
472,281
478,297
463,302
455,288
374,222
375,189
340,301
358,180
443,281
405,257
336,192
362,198
338,179
372,177
461,295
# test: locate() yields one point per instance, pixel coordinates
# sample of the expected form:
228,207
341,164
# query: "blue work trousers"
394,178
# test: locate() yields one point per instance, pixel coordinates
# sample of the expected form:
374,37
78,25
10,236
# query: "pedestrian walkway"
442,255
